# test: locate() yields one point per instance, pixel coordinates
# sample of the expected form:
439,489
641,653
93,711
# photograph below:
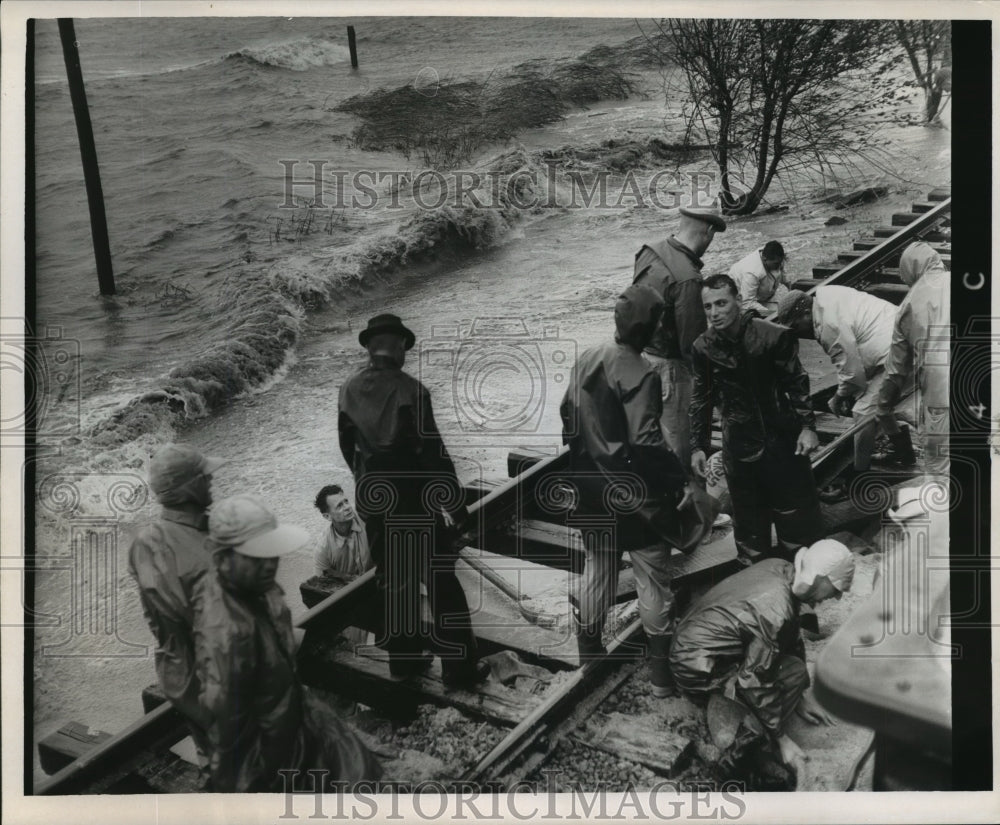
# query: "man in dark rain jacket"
750,367
405,487
742,639
630,484
672,268
262,720
167,559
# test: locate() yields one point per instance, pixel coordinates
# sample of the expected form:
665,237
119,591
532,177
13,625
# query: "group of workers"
637,417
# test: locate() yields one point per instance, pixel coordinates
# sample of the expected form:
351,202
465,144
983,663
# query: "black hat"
386,323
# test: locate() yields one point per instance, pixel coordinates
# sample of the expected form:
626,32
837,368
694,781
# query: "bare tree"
775,95
927,44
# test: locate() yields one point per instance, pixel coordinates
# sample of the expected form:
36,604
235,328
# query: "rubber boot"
658,648
588,640
902,447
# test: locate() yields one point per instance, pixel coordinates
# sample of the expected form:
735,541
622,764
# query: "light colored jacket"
922,333
167,559
855,330
756,284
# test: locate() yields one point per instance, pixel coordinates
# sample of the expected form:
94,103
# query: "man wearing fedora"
167,559
262,720
410,499
672,268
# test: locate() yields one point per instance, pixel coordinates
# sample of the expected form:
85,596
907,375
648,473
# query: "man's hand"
810,710
793,756
808,441
698,465
841,405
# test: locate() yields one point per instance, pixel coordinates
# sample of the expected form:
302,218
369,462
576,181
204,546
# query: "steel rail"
164,726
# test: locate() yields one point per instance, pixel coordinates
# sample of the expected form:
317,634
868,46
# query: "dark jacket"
735,634
674,271
611,422
387,432
759,383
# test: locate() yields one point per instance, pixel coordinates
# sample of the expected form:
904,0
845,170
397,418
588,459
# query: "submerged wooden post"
353,46
88,154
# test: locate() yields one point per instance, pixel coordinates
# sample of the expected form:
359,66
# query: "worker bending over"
742,639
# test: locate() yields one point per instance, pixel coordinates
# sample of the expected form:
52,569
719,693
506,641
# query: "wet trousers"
778,488
599,584
790,682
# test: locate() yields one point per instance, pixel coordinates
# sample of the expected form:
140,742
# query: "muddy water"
554,281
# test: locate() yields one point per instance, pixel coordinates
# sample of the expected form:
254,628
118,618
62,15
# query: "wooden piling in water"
353,46
88,154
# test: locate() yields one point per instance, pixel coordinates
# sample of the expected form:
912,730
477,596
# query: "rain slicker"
403,478
674,272
611,422
921,337
386,424
855,330
734,637
263,720
167,559
757,380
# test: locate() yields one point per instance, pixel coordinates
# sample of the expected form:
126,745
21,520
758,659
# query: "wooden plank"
941,193
106,763
557,715
72,740
524,458
938,235
366,679
648,740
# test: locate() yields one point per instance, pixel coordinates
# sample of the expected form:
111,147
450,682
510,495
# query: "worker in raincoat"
751,369
263,721
855,331
631,487
760,278
921,341
742,639
409,496
167,559
672,268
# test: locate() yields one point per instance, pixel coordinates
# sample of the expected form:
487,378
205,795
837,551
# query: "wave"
297,55
265,307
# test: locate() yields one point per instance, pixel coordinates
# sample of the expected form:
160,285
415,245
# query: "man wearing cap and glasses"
741,639
409,497
167,559
262,719
672,268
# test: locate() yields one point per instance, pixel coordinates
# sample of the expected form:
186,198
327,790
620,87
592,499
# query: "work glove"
841,405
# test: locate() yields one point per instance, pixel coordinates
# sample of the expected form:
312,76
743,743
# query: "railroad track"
527,521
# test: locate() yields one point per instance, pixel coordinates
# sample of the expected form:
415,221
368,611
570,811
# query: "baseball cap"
176,464
246,525
825,558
